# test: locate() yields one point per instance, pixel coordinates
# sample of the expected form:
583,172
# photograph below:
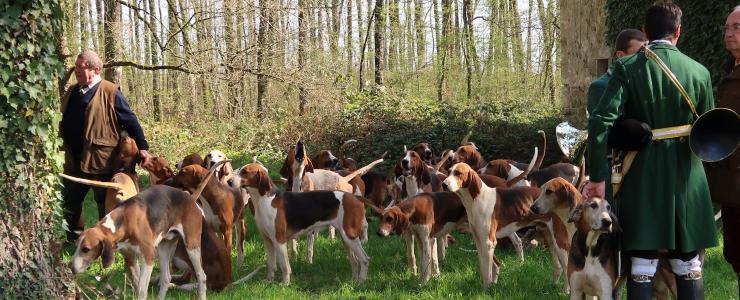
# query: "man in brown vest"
724,176
94,113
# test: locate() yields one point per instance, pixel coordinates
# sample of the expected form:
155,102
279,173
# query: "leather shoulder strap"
651,55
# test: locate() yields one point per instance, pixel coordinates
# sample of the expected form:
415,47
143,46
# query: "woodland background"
250,77
258,75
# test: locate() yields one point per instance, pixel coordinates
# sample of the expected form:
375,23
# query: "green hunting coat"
595,91
664,200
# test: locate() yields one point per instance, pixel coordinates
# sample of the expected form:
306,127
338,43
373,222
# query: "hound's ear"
107,256
397,171
309,165
571,196
474,184
615,223
264,184
576,214
426,176
285,170
401,223
226,169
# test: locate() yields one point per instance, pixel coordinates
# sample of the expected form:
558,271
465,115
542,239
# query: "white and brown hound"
326,160
429,217
223,205
425,152
223,171
302,176
147,224
281,216
592,267
417,176
190,159
479,201
562,198
348,163
159,170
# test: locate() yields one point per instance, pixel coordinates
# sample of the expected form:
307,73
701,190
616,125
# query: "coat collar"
657,46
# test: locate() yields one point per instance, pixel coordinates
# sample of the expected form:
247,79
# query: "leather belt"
658,134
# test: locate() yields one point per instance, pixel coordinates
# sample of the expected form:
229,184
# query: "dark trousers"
731,233
73,194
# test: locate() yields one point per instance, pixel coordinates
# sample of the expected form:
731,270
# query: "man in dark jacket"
724,176
94,113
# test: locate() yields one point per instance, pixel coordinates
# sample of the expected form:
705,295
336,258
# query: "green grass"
330,274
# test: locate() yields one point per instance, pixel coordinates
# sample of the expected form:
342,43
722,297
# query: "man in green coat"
664,203
628,42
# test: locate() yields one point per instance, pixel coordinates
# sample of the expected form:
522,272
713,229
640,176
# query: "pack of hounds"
188,219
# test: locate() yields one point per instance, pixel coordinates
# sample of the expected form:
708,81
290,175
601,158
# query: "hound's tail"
249,276
524,174
540,158
203,183
341,150
365,169
95,183
370,204
442,161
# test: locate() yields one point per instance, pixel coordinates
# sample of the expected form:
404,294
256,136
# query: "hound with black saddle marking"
146,225
281,216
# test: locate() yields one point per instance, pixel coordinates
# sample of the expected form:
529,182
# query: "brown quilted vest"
101,132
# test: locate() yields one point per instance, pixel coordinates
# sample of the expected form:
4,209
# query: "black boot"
640,287
690,286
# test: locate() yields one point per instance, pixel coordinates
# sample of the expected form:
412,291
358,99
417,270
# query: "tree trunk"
371,46
84,31
335,9
231,41
101,29
93,28
379,41
393,45
516,36
409,61
446,42
437,27
70,26
156,101
350,45
528,62
263,53
421,43
113,37
503,25
133,82
31,212
302,93
173,77
469,50
370,19
320,37
544,21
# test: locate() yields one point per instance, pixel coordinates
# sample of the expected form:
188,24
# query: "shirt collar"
659,42
94,81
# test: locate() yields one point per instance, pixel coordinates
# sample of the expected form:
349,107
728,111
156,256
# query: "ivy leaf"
19,157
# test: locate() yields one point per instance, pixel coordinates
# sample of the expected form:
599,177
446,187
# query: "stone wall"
585,55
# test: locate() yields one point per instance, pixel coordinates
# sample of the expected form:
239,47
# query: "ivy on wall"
30,206
701,33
